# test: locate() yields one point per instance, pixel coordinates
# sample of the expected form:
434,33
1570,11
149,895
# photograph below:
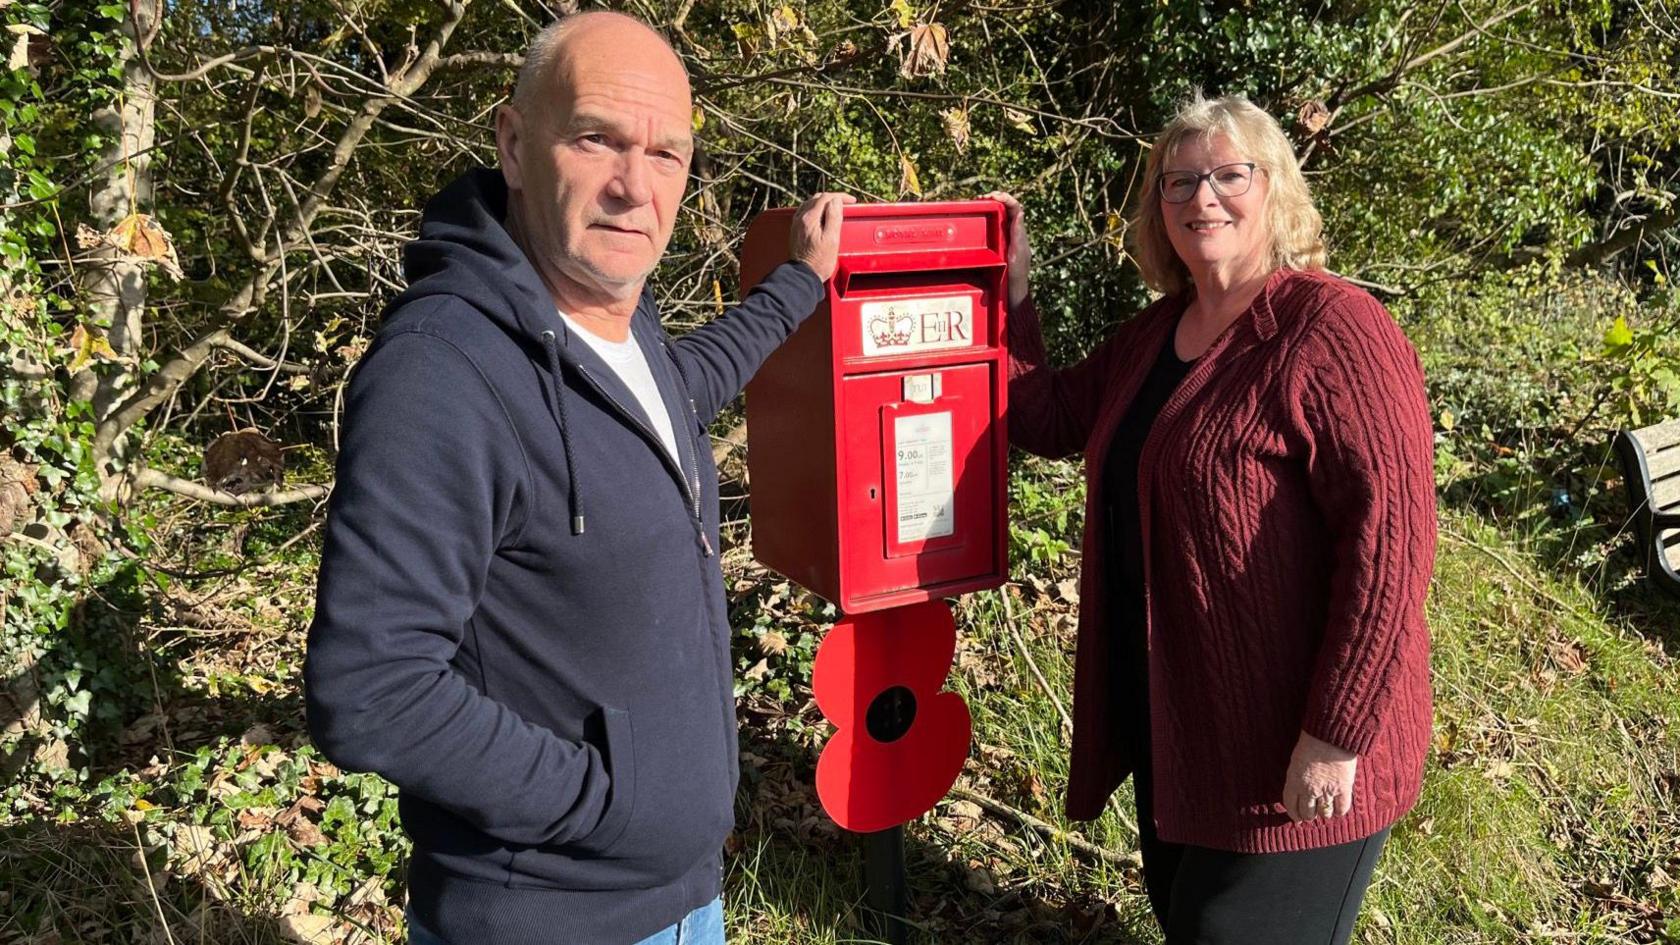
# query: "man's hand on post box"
1020,254
815,236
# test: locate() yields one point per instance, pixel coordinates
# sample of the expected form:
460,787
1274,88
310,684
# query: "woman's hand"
1020,254
1320,780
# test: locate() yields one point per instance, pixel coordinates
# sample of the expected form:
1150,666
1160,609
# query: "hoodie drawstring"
565,432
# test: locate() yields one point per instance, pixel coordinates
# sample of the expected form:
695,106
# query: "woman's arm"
1051,412
1371,471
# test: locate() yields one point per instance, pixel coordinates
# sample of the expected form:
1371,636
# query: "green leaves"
1618,336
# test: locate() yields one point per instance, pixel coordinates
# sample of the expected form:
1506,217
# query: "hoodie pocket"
618,744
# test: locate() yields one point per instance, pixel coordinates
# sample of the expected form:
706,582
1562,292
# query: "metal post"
886,891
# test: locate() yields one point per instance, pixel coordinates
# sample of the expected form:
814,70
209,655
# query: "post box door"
919,501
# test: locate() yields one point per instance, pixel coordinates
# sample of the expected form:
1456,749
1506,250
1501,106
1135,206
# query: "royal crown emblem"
891,329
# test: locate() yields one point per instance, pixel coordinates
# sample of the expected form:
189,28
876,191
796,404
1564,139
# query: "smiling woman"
1229,136
1259,537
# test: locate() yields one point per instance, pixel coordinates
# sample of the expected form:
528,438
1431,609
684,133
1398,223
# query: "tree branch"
249,296
21,365
262,360
1132,860
481,58
1595,253
152,479
156,390
1383,84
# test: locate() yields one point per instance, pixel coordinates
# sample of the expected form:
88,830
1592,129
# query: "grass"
1549,812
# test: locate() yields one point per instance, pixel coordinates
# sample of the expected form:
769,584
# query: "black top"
489,650
1129,700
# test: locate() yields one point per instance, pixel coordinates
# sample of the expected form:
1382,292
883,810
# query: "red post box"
876,438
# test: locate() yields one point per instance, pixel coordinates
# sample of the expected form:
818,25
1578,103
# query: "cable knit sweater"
1288,505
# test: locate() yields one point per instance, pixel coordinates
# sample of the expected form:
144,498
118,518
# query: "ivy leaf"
901,9
1618,335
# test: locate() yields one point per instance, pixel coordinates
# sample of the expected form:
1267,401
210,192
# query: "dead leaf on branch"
138,237
908,183
785,27
956,125
86,345
30,50
1313,117
1023,121
927,50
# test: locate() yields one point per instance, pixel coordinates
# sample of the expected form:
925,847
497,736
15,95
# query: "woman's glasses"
1227,180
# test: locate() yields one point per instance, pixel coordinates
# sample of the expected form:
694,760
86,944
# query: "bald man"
520,616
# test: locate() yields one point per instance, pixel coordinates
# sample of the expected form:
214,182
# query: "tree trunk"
113,286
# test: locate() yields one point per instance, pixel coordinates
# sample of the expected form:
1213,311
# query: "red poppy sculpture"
900,742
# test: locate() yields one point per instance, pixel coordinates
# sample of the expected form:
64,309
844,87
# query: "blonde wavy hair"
1294,228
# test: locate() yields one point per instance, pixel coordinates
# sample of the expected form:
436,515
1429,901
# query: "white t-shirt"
627,361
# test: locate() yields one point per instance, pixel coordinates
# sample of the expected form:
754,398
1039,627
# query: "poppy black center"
890,714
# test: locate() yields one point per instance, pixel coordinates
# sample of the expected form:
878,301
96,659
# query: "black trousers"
1203,896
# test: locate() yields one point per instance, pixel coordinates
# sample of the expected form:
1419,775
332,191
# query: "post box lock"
922,388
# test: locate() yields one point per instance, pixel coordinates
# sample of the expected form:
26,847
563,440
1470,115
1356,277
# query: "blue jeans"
703,926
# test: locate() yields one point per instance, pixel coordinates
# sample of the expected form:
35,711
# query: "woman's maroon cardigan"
1291,536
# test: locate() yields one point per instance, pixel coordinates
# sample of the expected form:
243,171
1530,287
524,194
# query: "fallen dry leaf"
979,879
258,734
308,928
1568,656
772,643
305,834
193,847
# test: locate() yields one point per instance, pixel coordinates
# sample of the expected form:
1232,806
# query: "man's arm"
430,480
718,358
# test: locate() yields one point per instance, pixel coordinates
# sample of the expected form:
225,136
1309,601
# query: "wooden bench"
1651,464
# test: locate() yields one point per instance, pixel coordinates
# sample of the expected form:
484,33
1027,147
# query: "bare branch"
250,295
1376,288
152,479
481,58
1389,81
261,360
158,387
1595,253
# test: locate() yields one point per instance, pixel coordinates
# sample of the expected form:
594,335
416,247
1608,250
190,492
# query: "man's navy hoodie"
520,617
